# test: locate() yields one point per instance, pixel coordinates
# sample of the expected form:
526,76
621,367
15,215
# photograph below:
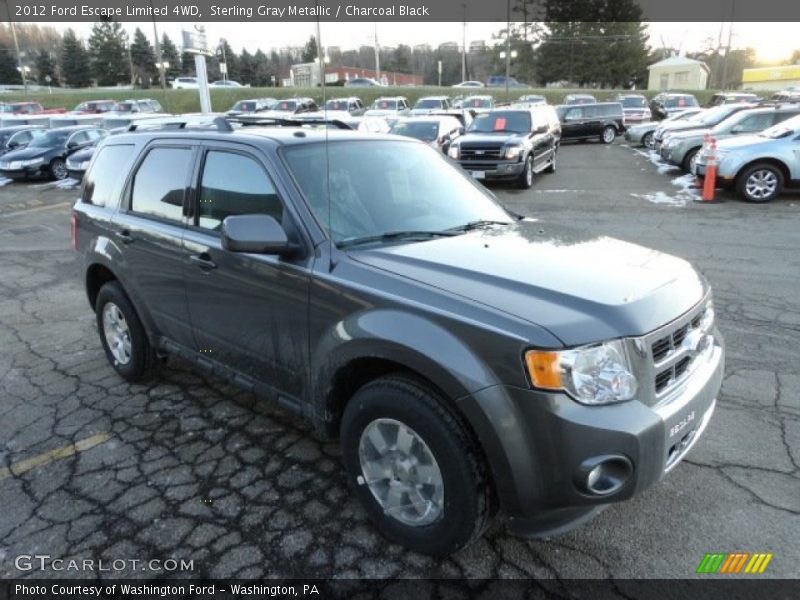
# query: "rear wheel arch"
97,275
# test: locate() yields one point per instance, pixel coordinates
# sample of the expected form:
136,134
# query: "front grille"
477,151
479,166
671,360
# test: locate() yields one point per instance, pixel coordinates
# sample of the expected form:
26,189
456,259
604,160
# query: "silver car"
680,148
757,167
642,134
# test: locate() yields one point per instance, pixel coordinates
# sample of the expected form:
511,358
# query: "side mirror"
739,129
13,145
72,144
541,129
257,234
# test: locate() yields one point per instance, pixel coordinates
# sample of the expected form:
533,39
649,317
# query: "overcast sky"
772,41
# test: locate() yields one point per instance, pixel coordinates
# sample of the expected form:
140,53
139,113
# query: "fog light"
603,475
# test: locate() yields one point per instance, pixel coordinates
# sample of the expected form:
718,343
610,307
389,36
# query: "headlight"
592,375
84,165
513,152
453,152
32,162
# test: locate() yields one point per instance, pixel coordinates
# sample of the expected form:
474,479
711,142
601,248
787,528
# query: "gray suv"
470,361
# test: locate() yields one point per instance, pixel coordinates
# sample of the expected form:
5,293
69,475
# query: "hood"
27,153
676,127
496,138
423,111
83,154
374,112
581,288
739,141
688,133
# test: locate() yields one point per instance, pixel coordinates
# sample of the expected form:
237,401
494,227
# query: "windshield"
780,130
416,186
337,105
6,108
286,105
4,138
679,101
427,131
477,103
428,103
714,115
125,107
384,104
244,106
633,102
51,139
502,121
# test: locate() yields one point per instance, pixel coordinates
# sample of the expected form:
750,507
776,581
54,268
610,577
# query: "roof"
678,61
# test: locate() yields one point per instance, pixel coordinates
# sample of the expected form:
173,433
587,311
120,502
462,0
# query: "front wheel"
414,467
58,169
609,135
760,183
648,141
525,180
689,160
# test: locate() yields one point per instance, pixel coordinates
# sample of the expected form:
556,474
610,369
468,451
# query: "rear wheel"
648,141
760,183
525,180
122,335
609,134
414,467
58,170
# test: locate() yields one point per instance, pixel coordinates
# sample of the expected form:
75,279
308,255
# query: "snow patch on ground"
63,184
686,193
5,181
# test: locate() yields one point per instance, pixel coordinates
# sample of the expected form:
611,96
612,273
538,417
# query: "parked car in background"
18,137
368,124
290,106
362,82
226,84
28,108
389,106
138,105
579,99
184,83
643,133
46,155
478,104
603,121
155,105
438,132
464,116
11,120
469,84
254,105
666,104
69,119
78,162
757,167
709,118
501,81
95,107
732,98
531,99
510,144
353,106
428,104
635,108
681,147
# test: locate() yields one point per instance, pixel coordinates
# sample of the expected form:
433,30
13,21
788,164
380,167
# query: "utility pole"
508,44
20,66
162,77
377,56
321,61
224,70
728,48
464,45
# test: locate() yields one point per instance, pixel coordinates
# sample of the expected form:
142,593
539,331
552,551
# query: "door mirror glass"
257,234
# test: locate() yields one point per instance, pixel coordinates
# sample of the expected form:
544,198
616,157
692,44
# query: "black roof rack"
221,124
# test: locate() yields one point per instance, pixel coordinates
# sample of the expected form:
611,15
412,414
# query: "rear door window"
99,182
160,183
235,184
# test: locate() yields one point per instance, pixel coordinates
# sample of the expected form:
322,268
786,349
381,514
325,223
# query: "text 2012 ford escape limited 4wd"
471,361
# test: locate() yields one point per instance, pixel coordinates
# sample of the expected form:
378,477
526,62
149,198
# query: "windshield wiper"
476,225
395,235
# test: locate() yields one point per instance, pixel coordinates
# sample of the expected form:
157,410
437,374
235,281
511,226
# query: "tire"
648,141
525,179
58,169
686,163
760,183
456,497
132,357
608,135
551,168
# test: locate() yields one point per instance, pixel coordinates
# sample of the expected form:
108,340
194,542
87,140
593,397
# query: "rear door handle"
125,236
203,261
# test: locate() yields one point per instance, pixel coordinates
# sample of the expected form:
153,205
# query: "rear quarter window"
100,181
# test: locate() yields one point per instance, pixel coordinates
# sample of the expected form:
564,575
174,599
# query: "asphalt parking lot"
190,468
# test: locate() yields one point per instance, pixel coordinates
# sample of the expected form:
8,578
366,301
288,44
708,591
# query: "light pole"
508,56
161,75
464,45
223,70
20,68
508,45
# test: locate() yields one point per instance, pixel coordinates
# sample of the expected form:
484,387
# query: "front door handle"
203,261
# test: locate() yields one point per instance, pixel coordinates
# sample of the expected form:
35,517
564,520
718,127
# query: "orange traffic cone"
710,181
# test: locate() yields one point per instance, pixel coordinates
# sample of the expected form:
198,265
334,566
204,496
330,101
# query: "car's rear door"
248,311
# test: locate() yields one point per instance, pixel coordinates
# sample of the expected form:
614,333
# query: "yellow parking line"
37,209
46,458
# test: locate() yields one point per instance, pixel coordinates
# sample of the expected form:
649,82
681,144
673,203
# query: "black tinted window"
159,184
233,184
100,180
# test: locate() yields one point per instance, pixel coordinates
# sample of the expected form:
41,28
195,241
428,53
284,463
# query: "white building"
678,73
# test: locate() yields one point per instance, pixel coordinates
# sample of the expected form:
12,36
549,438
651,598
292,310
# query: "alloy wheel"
117,333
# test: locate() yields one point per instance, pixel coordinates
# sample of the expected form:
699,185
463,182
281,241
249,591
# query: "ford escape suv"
472,362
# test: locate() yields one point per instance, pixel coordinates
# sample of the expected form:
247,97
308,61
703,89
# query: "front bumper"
537,444
493,170
25,172
672,154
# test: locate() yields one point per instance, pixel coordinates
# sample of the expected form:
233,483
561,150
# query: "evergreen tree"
75,70
264,69
169,54
187,64
108,53
231,60
247,68
8,66
401,61
143,58
45,66
309,53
